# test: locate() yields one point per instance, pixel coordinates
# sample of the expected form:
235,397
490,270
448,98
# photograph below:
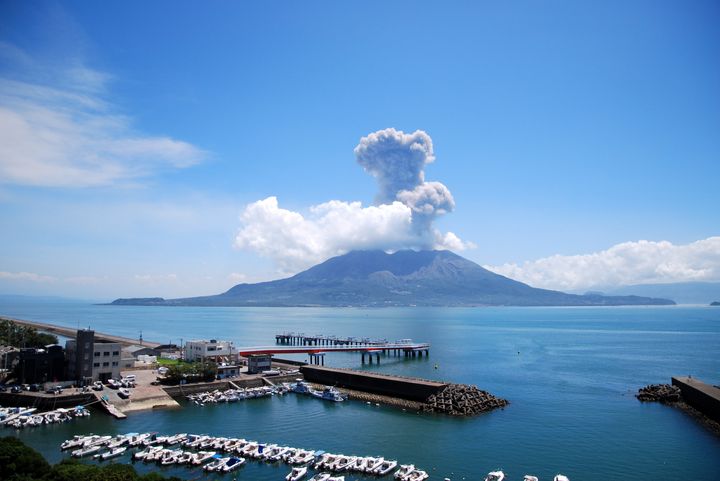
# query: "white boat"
417,475
202,457
330,394
140,455
336,478
344,462
529,477
216,465
404,471
561,477
385,467
79,453
296,474
495,476
300,387
178,438
371,464
113,452
76,441
359,464
232,464
320,477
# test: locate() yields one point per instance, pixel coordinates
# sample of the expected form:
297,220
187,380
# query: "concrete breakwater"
696,398
418,394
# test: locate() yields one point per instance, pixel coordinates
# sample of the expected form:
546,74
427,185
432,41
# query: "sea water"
570,375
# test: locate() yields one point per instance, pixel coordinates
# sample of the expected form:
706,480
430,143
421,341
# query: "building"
92,360
37,366
258,363
227,371
212,350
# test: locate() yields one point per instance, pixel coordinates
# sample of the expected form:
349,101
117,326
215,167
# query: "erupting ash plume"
402,217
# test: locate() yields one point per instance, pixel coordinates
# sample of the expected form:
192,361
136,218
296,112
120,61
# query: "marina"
223,455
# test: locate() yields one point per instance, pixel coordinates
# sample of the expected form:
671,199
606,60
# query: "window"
114,363
87,356
116,353
106,353
97,364
106,364
97,354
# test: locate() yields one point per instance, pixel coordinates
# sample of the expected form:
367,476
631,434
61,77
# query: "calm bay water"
569,373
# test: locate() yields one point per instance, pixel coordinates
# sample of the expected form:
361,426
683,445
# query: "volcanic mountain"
405,278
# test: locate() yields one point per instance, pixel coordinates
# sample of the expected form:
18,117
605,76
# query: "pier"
297,343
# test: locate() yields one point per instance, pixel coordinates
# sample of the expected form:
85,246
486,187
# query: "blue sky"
136,134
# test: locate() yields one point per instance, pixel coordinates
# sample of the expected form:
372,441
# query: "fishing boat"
300,387
216,465
330,394
529,477
561,477
417,475
495,476
178,438
404,471
114,452
385,467
232,464
140,455
296,474
202,457
320,477
371,464
79,453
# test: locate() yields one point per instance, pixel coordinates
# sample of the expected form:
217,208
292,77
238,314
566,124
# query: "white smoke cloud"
641,262
402,217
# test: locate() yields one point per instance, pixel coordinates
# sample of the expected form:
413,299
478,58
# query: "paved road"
71,333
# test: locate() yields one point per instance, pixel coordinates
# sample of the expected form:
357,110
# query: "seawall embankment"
703,397
383,384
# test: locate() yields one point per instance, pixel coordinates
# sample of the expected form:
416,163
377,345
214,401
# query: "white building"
214,350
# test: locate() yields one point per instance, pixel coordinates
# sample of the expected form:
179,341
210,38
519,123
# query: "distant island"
405,278
716,303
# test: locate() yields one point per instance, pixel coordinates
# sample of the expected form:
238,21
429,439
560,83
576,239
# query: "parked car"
34,387
98,386
15,389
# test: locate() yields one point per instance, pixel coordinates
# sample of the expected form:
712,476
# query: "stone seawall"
703,397
45,401
400,387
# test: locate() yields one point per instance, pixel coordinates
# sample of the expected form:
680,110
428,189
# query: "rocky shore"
662,393
455,400
463,400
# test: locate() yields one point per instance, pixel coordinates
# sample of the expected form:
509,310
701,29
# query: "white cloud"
402,218
62,131
641,262
296,241
25,276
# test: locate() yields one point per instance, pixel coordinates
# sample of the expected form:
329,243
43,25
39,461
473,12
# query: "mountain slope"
405,278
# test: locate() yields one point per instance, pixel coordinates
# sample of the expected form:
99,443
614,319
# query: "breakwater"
699,400
421,394
401,387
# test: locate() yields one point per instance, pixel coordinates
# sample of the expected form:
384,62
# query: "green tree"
17,335
20,462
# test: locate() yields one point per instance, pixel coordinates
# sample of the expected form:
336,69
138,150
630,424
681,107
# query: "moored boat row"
20,418
234,395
